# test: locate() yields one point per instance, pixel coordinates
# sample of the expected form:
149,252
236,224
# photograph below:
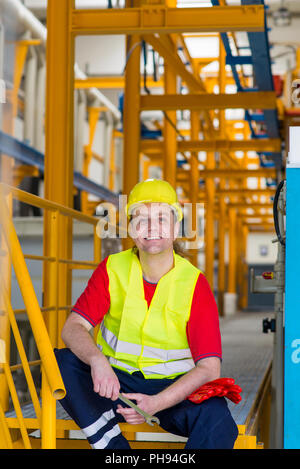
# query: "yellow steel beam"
233,173
160,19
113,82
252,205
246,192
206,101
107,82
260,216
232,145
155,146
164,47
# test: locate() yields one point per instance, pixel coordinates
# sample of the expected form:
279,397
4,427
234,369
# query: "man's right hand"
76,335
106,382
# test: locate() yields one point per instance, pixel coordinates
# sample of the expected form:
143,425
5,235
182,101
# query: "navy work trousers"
208,425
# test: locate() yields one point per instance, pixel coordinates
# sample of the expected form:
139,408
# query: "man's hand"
76,336
147,403
106,382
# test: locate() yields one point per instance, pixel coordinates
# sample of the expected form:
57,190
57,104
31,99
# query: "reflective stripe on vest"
163,369
135,349
151,340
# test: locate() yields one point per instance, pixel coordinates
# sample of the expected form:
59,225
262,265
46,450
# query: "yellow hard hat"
153,190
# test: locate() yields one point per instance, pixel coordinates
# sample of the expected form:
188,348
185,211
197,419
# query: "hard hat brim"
174,206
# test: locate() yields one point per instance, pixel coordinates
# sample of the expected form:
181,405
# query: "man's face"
153,227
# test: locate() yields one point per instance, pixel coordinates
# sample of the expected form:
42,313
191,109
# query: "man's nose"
153,225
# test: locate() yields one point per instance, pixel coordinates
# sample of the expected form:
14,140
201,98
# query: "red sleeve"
203,331
94,302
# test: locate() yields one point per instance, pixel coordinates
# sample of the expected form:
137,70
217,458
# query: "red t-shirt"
203,332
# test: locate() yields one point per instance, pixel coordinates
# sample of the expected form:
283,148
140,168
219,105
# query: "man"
159,337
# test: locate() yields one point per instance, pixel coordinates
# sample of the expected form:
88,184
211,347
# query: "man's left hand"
145,402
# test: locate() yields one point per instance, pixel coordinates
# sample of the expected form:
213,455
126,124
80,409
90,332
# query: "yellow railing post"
51,286
48,425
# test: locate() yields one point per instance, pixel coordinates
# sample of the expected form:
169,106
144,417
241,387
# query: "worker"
158,340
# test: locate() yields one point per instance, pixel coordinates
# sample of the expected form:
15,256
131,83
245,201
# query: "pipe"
107,151
30,95
1,68
80,111
15,11
40,103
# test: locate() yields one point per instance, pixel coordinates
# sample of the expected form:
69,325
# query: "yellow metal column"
131,119
194,185
244,284
222,203
59,133
209,221
169,131
221,251
232,251
59,158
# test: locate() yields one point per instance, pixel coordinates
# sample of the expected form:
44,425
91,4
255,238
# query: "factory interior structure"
97,95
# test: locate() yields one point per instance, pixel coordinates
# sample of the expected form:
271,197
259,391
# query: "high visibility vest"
151,340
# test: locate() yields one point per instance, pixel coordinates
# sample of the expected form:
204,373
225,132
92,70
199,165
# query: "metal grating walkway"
247,354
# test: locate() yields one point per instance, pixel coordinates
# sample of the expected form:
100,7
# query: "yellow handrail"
33,310
45,333
21,350
37,201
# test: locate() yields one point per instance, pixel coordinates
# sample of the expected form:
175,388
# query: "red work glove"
218,387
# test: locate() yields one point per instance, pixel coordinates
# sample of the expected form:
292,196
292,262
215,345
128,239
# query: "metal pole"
209,222
169,131
131,119
277,385
40,103
222,203
30,95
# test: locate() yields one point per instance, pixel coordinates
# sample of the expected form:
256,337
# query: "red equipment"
218,387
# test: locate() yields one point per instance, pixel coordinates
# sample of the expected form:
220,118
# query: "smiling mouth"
151,238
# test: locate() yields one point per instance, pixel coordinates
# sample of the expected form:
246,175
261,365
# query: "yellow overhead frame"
162,19
207,101
149,146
